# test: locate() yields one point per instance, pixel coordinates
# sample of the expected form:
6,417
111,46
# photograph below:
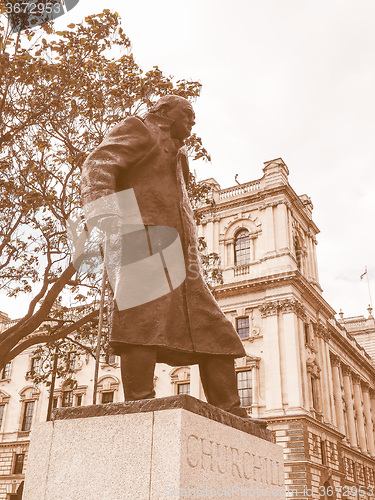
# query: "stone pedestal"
176,447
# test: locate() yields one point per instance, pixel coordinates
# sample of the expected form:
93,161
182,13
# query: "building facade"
311,376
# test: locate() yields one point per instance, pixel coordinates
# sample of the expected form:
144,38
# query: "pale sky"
281,78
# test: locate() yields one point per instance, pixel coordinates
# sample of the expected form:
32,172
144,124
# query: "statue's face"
184,118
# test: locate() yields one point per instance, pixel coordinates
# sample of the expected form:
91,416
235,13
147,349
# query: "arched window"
242,248
67,395
28,397
108,388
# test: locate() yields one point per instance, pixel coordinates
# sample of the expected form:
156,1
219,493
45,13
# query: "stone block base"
167,448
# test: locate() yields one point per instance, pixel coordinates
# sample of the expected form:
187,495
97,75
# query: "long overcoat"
140,154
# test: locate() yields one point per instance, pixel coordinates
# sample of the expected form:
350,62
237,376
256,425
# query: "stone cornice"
264,195
295,278
339,339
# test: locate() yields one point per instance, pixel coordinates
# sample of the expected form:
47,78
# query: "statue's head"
179,110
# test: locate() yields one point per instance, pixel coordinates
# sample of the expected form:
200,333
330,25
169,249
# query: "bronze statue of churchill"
186,325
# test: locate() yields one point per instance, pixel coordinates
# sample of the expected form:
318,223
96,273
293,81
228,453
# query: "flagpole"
369,289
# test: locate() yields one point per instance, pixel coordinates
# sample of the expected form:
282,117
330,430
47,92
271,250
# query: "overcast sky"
281,78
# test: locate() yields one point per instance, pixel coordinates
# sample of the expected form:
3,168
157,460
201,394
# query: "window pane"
244,386
243,327
34,365
107,397
111,359
5,372
28,415
2,408
67,399
242,248
183,388
79,400
18,464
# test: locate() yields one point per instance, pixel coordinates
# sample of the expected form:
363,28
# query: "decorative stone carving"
335,360
284,306
346,370
356,379
293,305
313,367
321,331
269,308
4,397
365,386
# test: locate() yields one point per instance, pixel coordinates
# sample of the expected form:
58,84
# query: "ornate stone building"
305,372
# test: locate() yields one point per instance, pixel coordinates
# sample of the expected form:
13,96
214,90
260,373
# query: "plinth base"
177,447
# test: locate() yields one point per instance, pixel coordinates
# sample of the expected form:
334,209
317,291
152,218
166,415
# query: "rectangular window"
2,409
111,359
34,367
18,463
183,388
28,415
79,400
67,399
107,397
5,372
245,389
315,394
71,361
243,327
306,331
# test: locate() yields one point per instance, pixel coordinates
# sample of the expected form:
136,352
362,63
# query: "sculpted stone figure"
146,156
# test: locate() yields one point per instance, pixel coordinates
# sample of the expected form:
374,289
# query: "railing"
241,270
248,187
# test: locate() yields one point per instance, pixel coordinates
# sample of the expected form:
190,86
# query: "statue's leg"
137,372
219,381
220,385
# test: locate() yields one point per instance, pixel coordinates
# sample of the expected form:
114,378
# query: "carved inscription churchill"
209,455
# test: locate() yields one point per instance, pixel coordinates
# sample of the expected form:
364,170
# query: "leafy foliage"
60,93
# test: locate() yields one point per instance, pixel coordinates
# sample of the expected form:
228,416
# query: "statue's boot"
219,382
137,372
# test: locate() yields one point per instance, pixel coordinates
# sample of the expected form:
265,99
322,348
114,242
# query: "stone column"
311,258
256,385
282,226
229,247
369,423
268,234
216,235
314,274
195,383
349,406
290,228
359,411
270,311
372,401
326,407
329,376
291,309
335,362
